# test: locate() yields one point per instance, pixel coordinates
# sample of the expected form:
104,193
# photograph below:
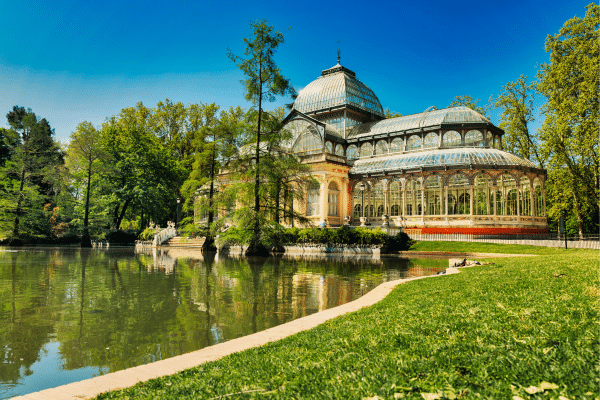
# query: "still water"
71,314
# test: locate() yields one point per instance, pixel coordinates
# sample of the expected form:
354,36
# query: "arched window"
483,200
357,210
506,203
397,145
357,201
497,142
394,199
332,199
339,150
474,138
538,198
329,147
378,199
459,197
525,196
413,194
433,195
489,139
452,139
413,143
381,147
431,140
352,152
308,143
312,199
366,150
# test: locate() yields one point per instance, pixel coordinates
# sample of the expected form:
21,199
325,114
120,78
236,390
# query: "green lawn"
477,247
524,327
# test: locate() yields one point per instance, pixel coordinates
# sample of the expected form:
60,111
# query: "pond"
72,314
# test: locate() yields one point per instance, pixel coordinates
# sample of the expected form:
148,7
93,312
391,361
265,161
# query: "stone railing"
165,234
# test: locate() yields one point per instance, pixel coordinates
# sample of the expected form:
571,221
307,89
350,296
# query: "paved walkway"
90,388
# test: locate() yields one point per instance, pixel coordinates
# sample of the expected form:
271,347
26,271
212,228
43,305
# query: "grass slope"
523,327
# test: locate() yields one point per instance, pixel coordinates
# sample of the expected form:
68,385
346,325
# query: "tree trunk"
116,216
277,190
211,190
255,248
85,238
118,225
18,210
578,213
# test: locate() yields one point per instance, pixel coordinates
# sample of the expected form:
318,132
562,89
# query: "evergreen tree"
263,82
30,173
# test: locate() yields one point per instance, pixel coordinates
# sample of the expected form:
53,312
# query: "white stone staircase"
180,241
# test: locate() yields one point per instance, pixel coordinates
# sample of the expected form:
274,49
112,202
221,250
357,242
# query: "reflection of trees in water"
25,325
114,310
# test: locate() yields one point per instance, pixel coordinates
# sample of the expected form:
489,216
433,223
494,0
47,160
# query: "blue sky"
74,61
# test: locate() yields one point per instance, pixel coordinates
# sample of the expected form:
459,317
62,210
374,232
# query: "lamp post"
177,221
362,188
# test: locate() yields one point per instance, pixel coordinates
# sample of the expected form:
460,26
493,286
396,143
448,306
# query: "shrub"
193,230
147,234
121,237
400,242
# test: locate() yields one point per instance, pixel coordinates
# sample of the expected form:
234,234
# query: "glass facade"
431,140
444,164
381,147
452,139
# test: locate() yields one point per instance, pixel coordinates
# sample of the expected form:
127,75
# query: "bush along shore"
343,237
516,328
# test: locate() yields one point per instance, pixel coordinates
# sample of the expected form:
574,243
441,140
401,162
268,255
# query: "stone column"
494,199
519,200
446,202
532,208
324,206
403,187
471,200
385,196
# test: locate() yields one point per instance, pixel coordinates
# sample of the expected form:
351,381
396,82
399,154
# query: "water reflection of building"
316,292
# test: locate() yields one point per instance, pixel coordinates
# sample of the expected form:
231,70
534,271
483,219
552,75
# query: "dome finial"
338,52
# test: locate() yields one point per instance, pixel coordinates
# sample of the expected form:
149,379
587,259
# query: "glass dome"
337,86
439,158
453,115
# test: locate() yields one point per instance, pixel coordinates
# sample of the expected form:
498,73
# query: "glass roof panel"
337,89
426,119
439,158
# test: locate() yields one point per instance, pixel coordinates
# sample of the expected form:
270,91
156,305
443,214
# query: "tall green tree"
8,143
28,177
391,114
571,85
208,139
468,101
85,151
264,81
141,172
168,122
517,105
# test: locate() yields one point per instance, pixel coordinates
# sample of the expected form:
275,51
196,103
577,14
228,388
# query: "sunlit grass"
523,326
477,247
